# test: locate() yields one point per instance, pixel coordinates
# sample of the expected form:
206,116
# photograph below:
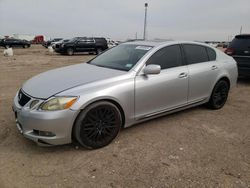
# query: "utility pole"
241,30
145,21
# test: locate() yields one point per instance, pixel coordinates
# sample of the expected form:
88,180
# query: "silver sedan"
90,102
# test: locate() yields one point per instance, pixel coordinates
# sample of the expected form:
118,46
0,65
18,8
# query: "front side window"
122,57
195,53
167,57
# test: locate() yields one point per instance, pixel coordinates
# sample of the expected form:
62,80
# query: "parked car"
7,43
111,43
58,43
130,83
239,49
48,43
83,44
222,45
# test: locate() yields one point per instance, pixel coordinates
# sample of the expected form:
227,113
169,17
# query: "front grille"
23,98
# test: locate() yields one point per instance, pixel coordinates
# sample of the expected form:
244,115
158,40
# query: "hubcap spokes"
100,124
220,95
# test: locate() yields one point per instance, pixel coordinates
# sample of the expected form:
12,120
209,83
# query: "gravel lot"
193,148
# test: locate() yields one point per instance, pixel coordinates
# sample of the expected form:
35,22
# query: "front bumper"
60,50
30,122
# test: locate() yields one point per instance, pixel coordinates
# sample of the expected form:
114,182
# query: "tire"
25,46
98,51
219,95
70,51
97,125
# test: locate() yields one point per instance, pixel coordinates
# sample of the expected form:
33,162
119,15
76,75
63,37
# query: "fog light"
33,103
43,133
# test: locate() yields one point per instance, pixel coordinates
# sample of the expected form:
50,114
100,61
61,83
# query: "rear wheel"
219,95
70,51
97,125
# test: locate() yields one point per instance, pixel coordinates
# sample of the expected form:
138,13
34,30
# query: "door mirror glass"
152,69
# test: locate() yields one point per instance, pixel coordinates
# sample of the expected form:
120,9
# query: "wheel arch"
225,78
95,101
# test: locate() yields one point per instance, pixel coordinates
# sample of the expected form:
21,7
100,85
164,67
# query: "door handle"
182,75
214,67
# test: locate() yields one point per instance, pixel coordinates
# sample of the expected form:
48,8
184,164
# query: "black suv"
83,44
7,43
239,49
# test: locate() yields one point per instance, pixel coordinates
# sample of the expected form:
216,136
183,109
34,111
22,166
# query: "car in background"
58,43
46,44
111,43
239,49
222,45
83,44
133,82
10,43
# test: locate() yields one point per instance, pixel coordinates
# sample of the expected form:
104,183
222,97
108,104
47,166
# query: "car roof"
156,43
243,36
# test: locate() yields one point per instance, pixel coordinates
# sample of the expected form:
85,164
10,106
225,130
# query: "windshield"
122,57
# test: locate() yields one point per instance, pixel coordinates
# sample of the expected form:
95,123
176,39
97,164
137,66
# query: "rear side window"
195,53
211,54
167,57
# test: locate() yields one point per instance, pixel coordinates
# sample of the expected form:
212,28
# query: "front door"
165,91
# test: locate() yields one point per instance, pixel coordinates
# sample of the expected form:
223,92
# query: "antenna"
145,21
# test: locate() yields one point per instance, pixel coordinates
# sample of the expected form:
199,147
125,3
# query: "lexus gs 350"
136,81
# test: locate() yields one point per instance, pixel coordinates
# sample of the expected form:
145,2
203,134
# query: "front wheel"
97,125
70,51
219,95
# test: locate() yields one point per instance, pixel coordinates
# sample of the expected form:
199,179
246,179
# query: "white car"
125,85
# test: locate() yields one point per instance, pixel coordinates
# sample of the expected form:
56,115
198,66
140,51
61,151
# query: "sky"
122,19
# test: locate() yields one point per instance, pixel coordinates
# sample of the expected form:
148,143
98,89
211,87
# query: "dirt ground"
193,148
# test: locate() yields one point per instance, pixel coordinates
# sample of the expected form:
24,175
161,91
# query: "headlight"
58,103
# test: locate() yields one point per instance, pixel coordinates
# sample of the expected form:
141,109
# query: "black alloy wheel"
219,95
98,125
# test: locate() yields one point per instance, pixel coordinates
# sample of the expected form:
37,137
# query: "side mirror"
152,69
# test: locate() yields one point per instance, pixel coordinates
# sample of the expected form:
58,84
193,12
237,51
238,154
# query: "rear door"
164,91
85,45
203,70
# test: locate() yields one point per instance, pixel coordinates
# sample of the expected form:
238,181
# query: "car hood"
55,81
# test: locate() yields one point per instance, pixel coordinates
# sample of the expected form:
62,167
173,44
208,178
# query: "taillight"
229,51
